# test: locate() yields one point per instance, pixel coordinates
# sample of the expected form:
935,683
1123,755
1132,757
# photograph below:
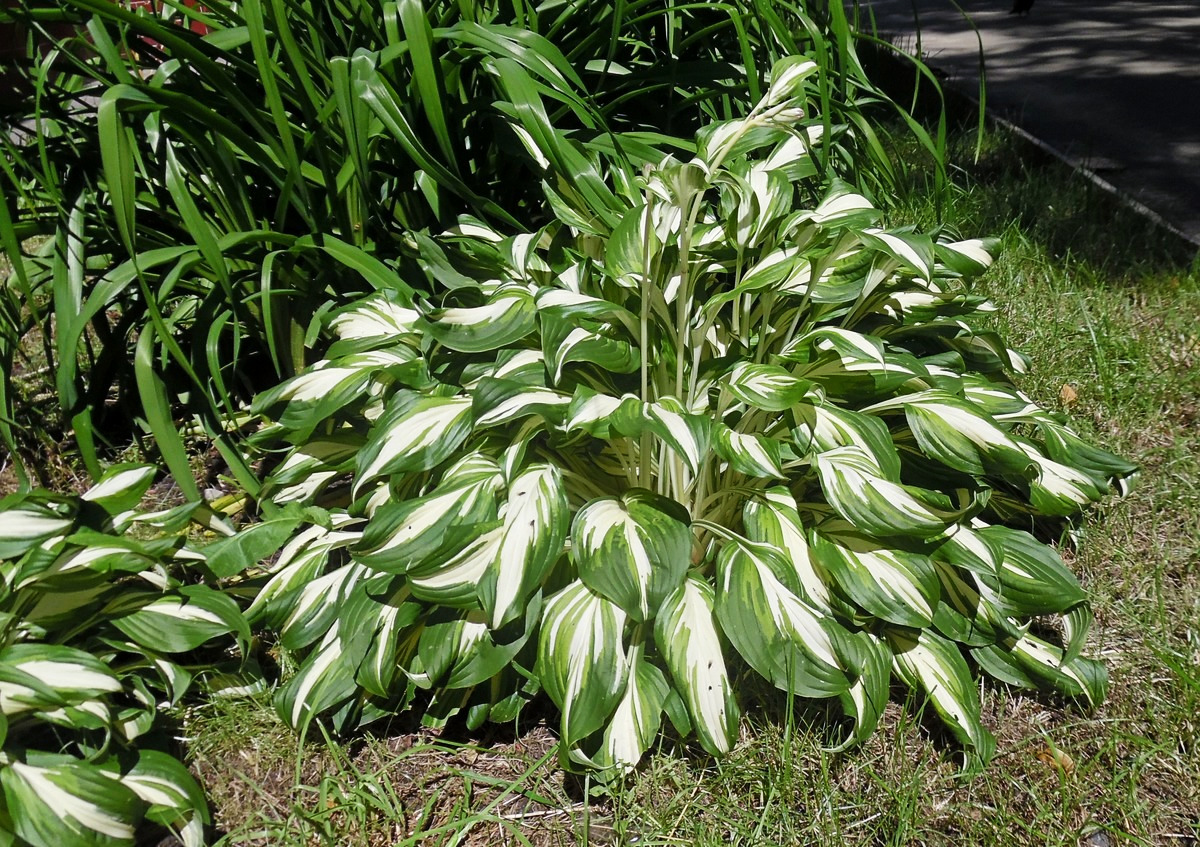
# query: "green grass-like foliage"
96,635
203,195
734,432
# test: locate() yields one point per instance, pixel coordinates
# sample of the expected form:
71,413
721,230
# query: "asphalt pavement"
1112,86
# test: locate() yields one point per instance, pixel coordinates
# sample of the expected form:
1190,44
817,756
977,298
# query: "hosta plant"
97,635
202,177
736,436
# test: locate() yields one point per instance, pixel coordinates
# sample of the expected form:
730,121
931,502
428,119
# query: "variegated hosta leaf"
404,535
301,560
48,676
317,605
753,455
889,583
581,659
501,401
1032,662
308,398
172,794
634,725
25,523
530,541
967,258
798,647
686,634
325,679
508,317
865,700
183,620
634,550
463,652
69,803
1032,579
767,387
378,317
686,434
565,341
852,482
1067,448
957,434
821,428
929,662
591,412
121,487
775,521
320,458
415,433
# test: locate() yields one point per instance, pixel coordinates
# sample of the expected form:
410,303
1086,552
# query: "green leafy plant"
203,179
735,434
96,637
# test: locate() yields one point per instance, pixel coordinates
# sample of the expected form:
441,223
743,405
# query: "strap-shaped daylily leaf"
928,662
753,455
686,634
892,584
796,646
635,722
415,433
508,316
634,550
853,485
581,659
531,540
70,803
767,387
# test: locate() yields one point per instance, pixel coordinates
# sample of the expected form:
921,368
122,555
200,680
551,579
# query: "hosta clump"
96,635
734,433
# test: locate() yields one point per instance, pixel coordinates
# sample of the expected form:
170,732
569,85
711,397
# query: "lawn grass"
1108,308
